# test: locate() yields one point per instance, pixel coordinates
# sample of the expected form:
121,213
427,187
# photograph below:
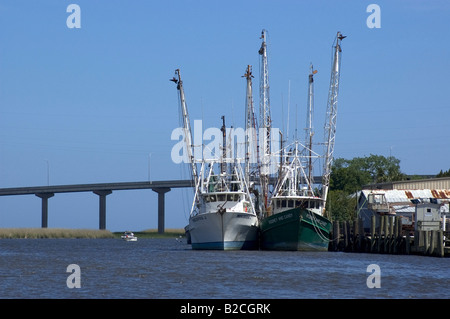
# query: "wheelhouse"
282,203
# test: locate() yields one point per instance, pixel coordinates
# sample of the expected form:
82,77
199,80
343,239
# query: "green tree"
444,174
340,205
349,176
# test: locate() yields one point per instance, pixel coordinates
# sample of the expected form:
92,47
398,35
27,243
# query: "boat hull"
187,234
224,231
295,229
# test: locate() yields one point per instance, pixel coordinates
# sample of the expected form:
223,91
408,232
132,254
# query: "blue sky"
94,104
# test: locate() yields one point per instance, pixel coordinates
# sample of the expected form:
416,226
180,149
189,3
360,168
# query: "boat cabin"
283,203
229,201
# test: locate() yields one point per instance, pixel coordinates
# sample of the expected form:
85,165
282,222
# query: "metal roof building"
395,198
428,183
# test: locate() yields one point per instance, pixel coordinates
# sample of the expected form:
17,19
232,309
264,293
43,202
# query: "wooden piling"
336,235
350,236
417,240
345,233
433,237
361,235
355,235
372,233
426,241
388,238
387,234
380,234
440,244
408,243
400,241
391,225
396,236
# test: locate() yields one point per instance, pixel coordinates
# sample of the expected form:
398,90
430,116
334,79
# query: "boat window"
290,203
221,198
230,197
297,203
206,199
283,203
317,205
212,198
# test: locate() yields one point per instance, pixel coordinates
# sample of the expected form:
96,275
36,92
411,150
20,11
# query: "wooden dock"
388,238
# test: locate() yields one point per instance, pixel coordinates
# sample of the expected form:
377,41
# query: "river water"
169,269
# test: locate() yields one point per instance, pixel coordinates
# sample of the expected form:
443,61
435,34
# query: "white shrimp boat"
222,215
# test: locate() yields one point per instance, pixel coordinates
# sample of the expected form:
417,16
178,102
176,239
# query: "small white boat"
128,236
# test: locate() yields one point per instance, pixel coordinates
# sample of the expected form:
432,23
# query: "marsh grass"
53,233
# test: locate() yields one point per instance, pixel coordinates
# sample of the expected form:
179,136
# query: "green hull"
295,229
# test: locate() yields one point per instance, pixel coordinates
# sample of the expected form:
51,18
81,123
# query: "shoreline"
37,233
153,233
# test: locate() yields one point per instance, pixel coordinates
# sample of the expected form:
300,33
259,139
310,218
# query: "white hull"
226,231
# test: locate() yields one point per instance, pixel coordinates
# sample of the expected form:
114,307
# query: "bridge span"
103,190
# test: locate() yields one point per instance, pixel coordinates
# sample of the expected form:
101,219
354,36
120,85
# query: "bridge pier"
44,197
102,207
161,203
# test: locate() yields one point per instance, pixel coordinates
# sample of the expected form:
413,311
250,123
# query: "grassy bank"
82,233
54,233
153,233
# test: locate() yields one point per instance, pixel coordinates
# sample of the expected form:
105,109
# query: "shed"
395,202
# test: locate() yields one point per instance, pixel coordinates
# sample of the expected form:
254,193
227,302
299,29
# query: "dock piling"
388,238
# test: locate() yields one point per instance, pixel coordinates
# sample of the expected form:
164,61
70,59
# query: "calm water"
166,268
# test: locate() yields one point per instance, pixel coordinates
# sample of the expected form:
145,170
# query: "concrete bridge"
102,190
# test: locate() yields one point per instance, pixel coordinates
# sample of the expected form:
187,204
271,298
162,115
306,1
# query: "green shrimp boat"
295,225
295,214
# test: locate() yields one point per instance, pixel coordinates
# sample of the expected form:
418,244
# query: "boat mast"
186,125
223,164
265,121
250,125
330,126
309,127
